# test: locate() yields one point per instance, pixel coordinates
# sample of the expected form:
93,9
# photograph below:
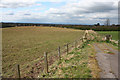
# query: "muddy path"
107,58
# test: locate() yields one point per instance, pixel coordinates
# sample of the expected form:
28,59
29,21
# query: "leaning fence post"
67,49
18,71
46,62
59,52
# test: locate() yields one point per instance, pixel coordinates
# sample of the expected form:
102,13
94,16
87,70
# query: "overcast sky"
59,11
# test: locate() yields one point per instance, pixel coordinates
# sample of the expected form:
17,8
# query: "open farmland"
113,33
23,45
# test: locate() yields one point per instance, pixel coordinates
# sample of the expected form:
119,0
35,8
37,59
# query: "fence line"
50,58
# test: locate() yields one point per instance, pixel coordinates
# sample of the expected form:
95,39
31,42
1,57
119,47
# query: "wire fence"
41,65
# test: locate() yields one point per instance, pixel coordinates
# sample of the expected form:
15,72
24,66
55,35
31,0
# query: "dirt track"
108,63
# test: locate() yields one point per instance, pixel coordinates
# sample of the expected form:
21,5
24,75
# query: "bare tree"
107,22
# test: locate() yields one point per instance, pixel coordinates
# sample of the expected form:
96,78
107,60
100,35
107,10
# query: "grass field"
113,33
21,45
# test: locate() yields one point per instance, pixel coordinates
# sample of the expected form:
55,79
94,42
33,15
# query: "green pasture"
113,33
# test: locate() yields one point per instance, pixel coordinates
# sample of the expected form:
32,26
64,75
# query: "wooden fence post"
46,62
75,44
82,39
18,71
59,52
67,49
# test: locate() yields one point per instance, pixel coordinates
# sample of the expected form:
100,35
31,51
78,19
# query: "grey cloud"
102,7
36,20
97,7
58,13
101,18
76,17
10,14
15,5
27,14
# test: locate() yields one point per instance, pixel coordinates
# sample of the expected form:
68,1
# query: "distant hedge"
82,27
96,28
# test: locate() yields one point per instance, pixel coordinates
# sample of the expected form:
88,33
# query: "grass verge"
80,63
